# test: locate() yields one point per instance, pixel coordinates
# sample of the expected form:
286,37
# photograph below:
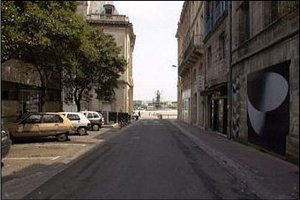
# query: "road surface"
149,159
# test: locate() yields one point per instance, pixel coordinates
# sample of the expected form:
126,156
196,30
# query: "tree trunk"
77,97
77,105
43,90
43,97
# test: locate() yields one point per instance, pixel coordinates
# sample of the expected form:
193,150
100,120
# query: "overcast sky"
155,51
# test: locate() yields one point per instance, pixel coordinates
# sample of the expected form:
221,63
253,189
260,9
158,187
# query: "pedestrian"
139,114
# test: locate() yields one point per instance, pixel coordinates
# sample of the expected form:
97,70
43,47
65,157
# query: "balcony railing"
97,17
193,49
216,15
194,44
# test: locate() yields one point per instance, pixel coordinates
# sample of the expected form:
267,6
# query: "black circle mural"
268,107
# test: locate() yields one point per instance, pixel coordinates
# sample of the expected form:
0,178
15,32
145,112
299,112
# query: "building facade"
21,91
103,15
250,67
190,62
216,48
265,75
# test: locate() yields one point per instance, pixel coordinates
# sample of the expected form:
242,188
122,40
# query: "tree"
100,72
52,37
42,33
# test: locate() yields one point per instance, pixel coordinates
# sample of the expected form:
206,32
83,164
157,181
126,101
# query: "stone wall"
276,43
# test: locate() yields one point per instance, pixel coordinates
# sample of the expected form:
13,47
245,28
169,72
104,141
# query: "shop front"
217,108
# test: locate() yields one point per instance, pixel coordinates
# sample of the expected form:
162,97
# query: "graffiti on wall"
268,107
236,107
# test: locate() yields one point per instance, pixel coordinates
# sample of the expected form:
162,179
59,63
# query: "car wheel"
62,137
12,138
81,131
95,127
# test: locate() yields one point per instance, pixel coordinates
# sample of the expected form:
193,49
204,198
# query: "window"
244,22
73,117
9,95
222,45
51,119
207,11
279,8
53,95
274,10
208,57
90,116
108,11
95,115
33,119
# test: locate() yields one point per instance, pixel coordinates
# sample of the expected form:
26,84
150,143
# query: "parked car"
80,123
5,144
41,125
95,118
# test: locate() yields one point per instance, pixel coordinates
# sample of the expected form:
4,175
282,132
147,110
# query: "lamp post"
179,95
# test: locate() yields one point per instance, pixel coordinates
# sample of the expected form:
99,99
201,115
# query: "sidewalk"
269,176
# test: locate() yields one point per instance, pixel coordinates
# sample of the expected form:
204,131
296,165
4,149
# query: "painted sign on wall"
268,107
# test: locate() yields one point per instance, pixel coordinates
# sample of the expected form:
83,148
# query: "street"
148,159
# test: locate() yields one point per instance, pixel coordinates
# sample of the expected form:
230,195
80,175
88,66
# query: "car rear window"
96,115
73,117
90,115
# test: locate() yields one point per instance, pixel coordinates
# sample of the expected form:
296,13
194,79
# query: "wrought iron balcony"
218,12
192,52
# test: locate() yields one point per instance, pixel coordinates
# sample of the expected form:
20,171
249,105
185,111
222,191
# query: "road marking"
32,158
42,145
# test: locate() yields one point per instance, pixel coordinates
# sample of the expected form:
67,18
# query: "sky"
155,50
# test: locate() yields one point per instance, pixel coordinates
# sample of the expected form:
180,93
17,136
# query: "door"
51,125
30,126
214,115
75,119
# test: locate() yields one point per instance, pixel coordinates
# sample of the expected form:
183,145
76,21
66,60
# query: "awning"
221,87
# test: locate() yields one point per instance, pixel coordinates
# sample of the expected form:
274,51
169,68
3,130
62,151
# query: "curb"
115,125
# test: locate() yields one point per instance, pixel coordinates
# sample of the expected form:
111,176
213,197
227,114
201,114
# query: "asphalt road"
149,159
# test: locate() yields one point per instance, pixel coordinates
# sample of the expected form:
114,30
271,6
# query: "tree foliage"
99,72
53,38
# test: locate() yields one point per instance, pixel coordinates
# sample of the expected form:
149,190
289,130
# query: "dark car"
5,144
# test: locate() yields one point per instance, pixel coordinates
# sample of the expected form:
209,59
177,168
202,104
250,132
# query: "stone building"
21,91
265,75
250,66
216,48
103,15
190,62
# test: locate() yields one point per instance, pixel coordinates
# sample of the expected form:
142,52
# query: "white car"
95,118
80,123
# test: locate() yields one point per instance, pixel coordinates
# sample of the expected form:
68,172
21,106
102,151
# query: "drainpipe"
230,71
